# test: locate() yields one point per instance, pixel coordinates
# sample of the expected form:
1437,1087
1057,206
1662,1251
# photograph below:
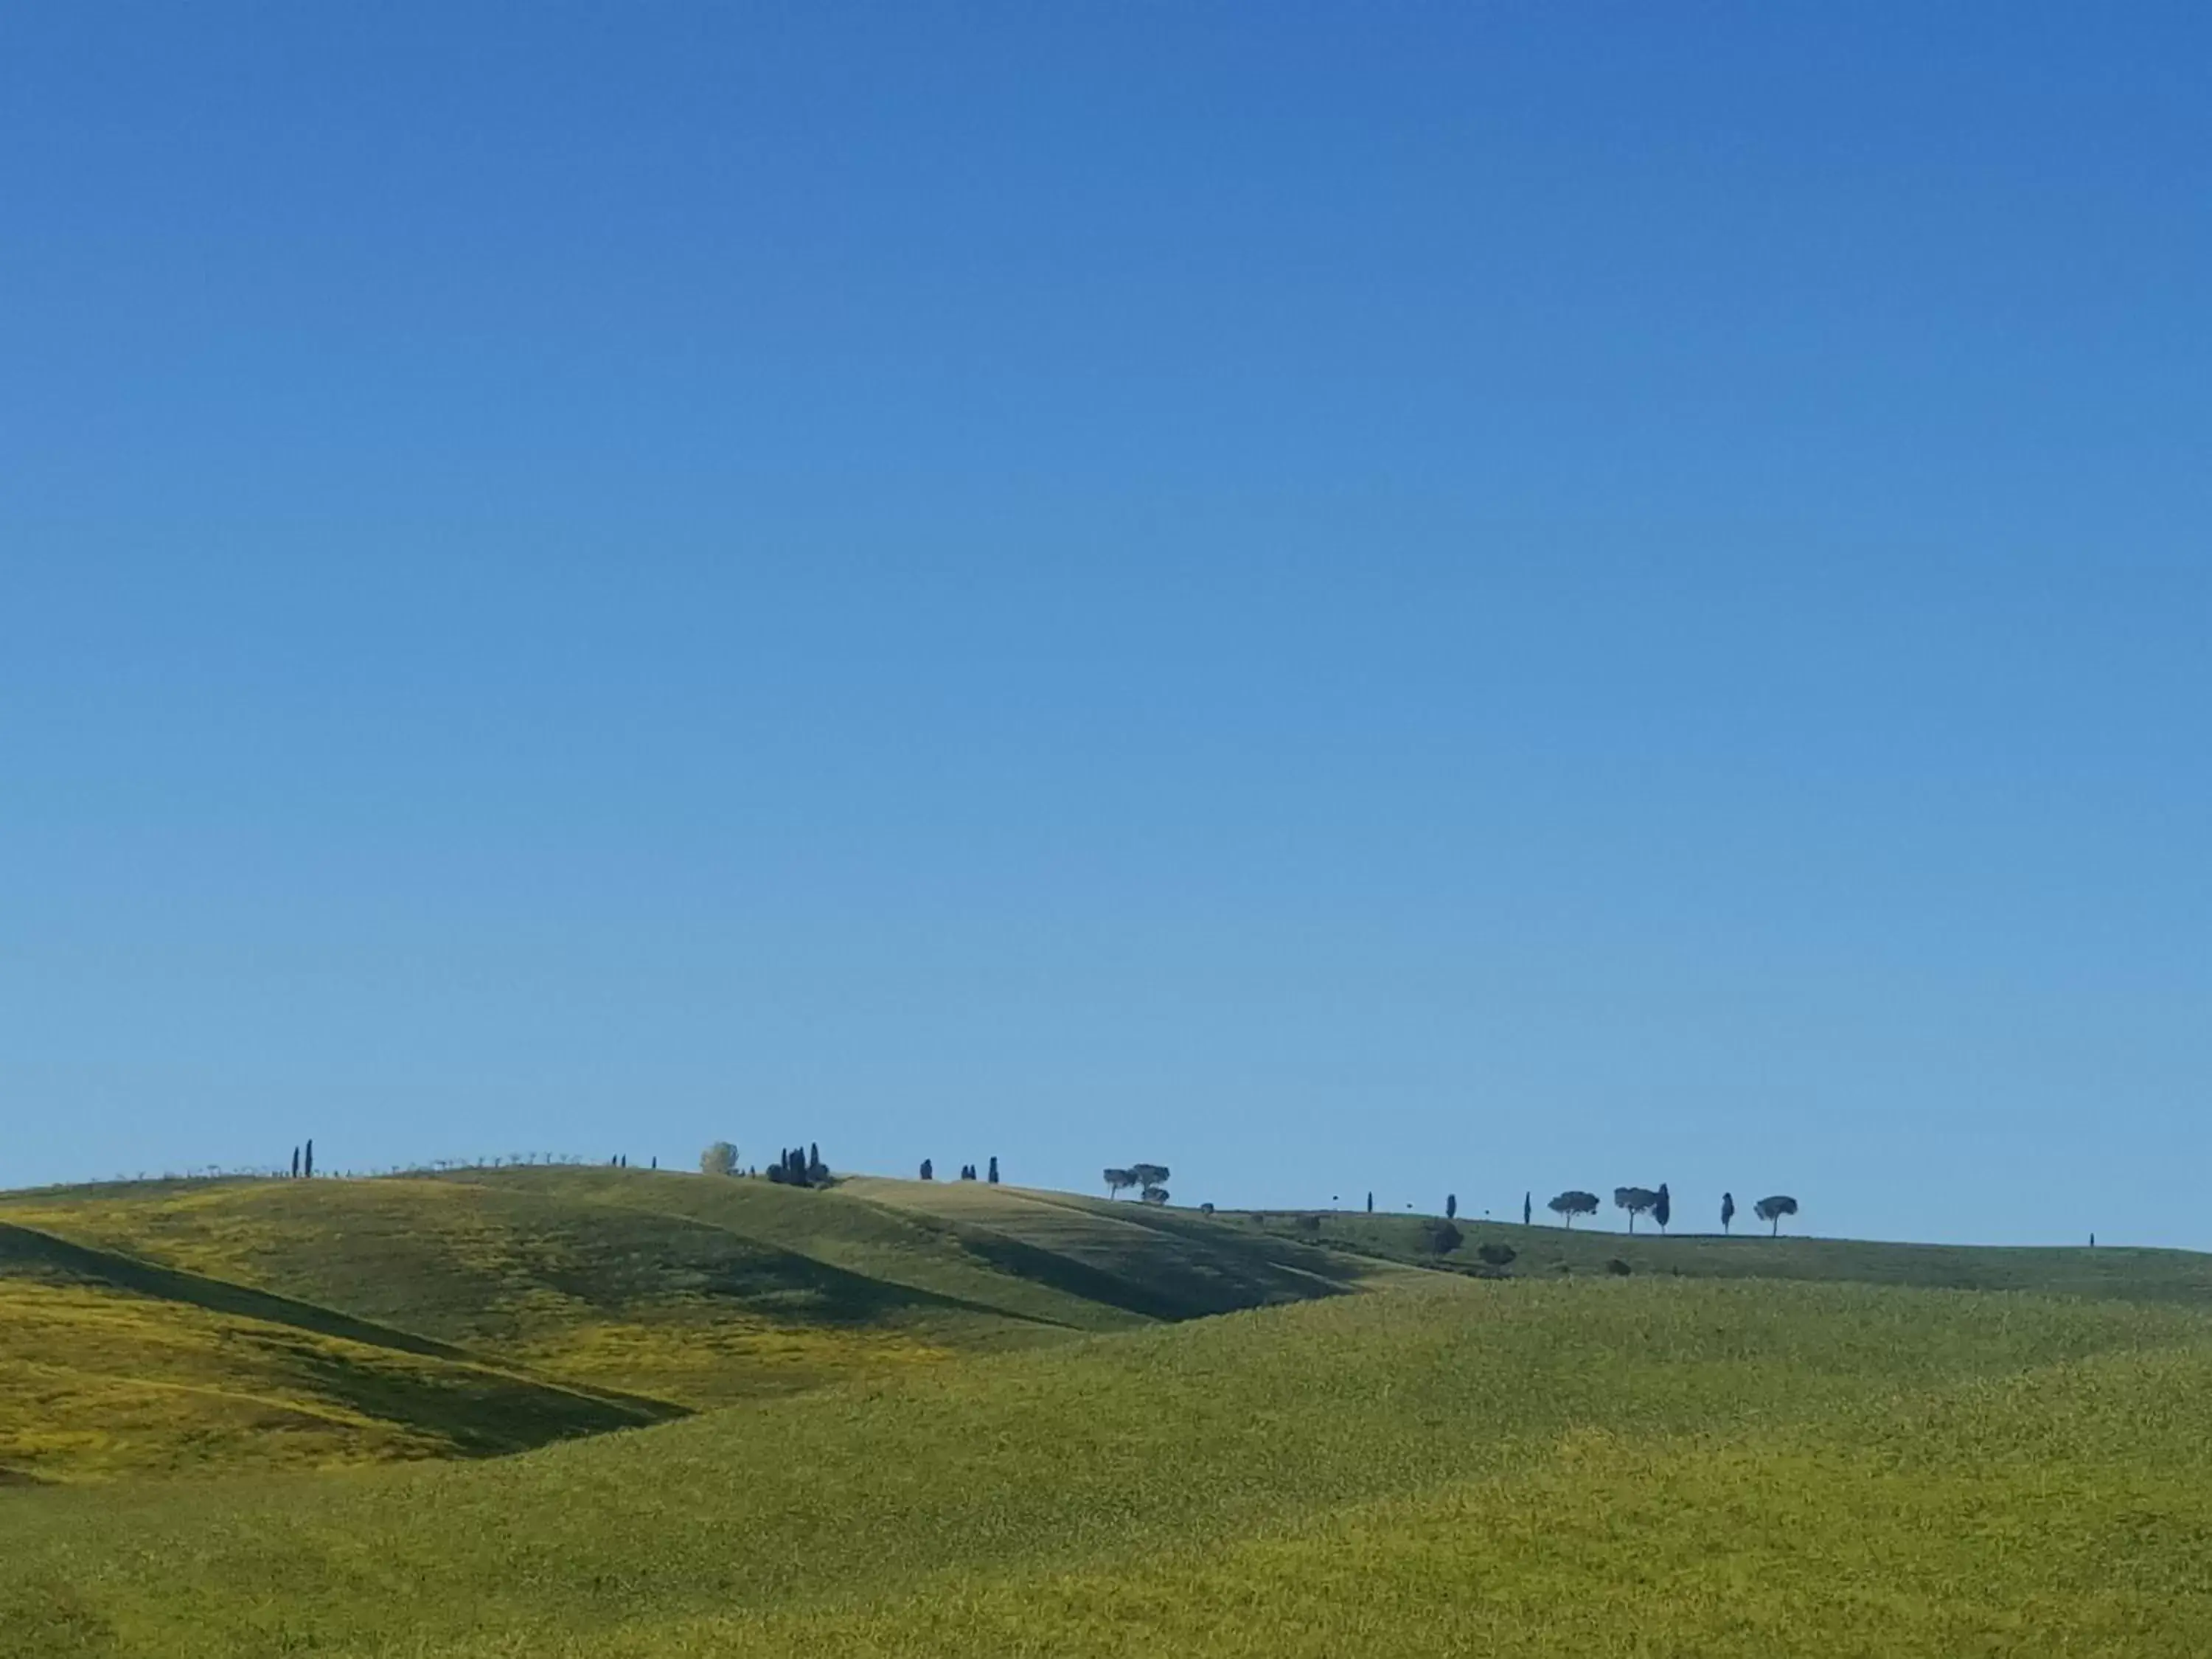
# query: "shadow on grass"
476,1406
1172,1268
778,1283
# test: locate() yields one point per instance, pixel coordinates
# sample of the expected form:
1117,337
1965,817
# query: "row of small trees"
1659,1205
1151,1181
966,1172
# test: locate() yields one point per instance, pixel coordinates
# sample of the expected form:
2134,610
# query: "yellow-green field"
188,1327
1368,1456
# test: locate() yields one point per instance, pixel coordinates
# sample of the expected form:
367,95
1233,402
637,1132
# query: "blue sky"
1421,599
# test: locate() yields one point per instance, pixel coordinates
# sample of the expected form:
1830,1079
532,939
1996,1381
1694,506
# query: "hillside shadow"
27,1247
474,1403
477,1412
773,1280
1168,1268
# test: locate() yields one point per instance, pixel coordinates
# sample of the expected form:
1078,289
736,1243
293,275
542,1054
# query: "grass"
1149,1261
1545,1250
690,1293
951,1418
1511,1455
313,1313
95,1383
1932,1534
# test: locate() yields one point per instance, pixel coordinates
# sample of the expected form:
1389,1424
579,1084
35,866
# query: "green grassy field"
2178,1276
188,1327
1827,1458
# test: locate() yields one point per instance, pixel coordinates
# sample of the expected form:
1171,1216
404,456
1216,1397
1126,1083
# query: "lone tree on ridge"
720,1158
1773,1209
1117,1179
1568,1205
1635,1201
1662,1209
1728,1210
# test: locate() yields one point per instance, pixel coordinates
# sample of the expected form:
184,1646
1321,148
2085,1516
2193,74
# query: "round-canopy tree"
1568,1205
1773,1209
720,1158
1635,1201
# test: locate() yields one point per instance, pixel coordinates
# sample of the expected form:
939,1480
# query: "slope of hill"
1546,1250
109,1364
205,1326
209,1324
1149,1260
1652,1465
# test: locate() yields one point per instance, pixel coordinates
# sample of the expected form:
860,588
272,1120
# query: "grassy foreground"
1652,1465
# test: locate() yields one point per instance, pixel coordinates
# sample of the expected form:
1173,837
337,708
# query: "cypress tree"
994,1171
1451,1205
311,1158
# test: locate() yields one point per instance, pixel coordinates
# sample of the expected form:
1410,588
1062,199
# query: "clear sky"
1470,598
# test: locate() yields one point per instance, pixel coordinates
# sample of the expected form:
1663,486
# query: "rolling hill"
1800,1467
188,1325
905,1417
